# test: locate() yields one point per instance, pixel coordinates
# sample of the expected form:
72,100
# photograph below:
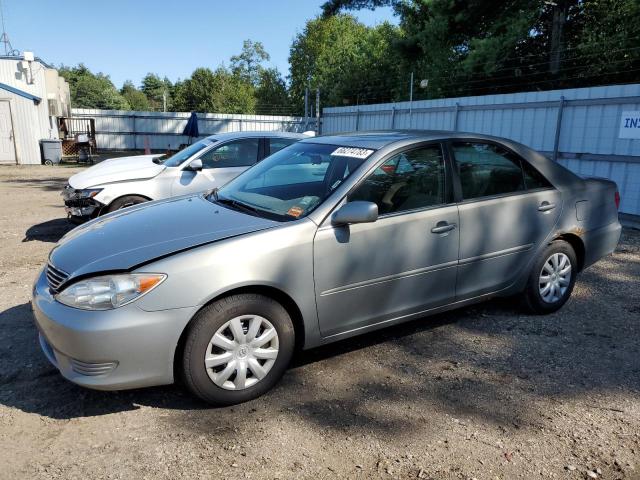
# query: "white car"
209,163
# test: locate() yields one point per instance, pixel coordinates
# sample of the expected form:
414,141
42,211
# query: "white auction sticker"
361,153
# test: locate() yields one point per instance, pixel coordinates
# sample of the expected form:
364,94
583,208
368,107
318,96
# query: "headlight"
71,194
109,291
88,193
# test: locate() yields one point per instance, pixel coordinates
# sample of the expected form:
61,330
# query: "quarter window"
407,181
486,170
237,153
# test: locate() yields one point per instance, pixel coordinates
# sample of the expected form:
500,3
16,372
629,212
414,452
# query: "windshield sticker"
295,211
360,153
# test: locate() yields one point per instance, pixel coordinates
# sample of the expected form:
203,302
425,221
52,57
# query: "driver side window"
237,153
407,181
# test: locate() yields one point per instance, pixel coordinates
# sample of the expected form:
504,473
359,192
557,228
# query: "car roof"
378,139
253,134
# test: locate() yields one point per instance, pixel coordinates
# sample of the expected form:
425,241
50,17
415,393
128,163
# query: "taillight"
617,199
388,169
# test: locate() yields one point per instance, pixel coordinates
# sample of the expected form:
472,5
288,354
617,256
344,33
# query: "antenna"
4,38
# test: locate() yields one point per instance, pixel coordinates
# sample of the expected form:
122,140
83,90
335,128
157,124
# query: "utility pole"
306,103
410,100
318,111
164,100
557,27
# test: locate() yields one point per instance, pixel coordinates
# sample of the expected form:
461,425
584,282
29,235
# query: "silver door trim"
498,253
390,278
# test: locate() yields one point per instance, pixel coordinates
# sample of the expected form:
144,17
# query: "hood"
117,170
139,234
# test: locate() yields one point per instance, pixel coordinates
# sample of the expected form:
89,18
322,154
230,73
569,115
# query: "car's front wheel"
237,348
552,278
124,202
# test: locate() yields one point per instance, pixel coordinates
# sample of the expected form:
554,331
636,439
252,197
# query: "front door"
508,208
220,165
7,146
403,263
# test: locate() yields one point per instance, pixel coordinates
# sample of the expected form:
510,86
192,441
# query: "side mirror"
195,165
355,212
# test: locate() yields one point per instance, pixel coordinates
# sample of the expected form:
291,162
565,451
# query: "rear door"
220,165
403,263
507,208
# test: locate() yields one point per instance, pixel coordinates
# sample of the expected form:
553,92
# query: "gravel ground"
485,392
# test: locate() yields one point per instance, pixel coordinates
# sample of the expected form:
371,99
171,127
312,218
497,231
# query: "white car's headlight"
109,291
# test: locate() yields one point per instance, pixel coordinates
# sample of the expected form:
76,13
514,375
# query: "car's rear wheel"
552,278
237,348
124,202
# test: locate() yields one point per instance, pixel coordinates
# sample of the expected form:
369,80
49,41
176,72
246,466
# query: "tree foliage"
344,58
136,99
89,90
479,47
218,91
157,90
248,63
272,96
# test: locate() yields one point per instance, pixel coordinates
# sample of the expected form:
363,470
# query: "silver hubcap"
555,277
241,352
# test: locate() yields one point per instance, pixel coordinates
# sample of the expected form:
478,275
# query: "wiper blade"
238,205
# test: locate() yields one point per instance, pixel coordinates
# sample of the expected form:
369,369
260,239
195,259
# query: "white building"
32,96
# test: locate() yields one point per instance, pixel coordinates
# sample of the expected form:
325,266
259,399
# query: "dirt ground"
485,392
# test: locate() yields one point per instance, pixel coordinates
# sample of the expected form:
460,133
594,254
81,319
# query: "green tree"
89,90
248,64
271,95
136,99
218,91
479,47
350,62
157,90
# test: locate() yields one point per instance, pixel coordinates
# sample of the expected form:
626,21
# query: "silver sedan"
328,238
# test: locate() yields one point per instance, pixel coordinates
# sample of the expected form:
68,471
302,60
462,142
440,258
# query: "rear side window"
486,170
237,153
276,144
407,181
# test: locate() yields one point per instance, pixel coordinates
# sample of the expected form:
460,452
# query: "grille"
55,278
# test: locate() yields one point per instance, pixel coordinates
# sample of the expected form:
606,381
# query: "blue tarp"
22,93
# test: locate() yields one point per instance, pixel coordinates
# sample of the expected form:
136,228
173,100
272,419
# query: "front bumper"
80,208
108,350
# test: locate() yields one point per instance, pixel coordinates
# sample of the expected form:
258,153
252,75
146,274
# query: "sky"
127,39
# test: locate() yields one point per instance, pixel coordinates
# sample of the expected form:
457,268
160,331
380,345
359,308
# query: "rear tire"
227,334
124,202
552,278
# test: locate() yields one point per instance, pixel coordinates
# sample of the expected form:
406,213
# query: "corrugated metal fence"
579,127
125,130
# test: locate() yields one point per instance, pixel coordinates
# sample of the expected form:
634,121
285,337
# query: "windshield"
177,159
291,183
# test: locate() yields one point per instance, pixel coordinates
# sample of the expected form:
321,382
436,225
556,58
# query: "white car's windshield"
177,159
291,183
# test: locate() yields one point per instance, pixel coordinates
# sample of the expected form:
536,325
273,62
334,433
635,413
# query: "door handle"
443,227
546,206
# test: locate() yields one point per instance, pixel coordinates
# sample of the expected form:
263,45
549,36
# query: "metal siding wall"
30,121
586,129
125,130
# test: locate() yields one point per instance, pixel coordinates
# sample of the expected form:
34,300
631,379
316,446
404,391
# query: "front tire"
124,202
552,278
237,348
